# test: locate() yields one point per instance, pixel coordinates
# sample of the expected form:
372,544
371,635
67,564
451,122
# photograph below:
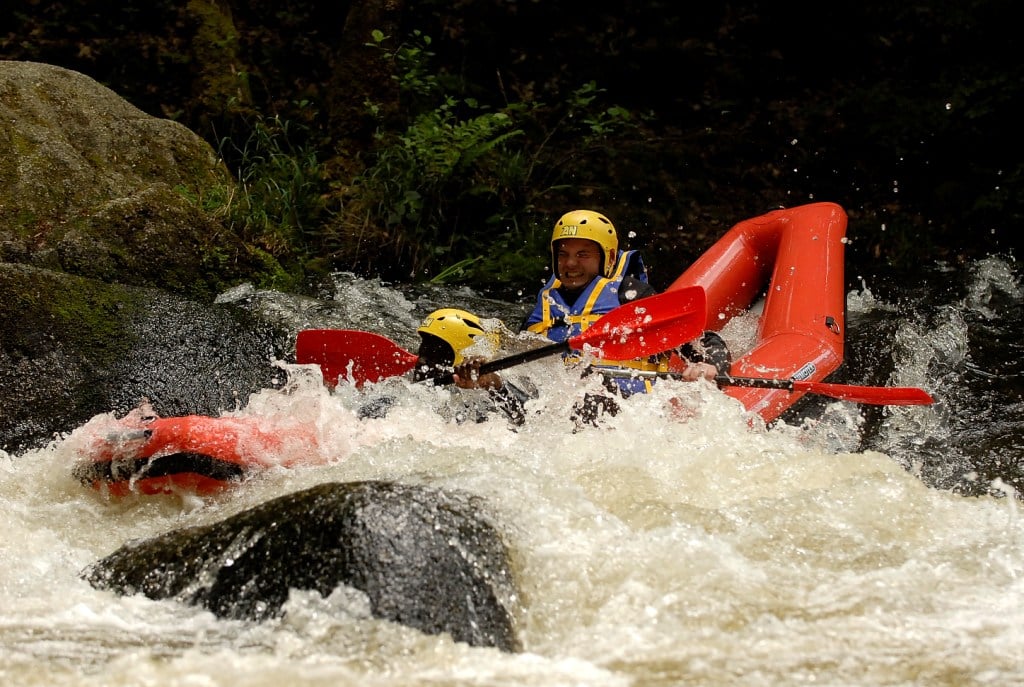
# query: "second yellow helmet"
458,328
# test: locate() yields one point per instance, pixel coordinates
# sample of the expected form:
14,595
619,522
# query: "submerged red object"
146,454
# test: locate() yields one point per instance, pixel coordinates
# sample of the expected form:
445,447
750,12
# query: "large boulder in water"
98,197
423,557
93,186
72,348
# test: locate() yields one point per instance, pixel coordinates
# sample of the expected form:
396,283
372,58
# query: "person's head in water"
584,244
444,335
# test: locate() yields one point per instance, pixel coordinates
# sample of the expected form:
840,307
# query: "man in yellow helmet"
591,277
444,335
447,335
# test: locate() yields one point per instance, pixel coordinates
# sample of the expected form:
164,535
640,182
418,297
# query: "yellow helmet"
458,328
587,224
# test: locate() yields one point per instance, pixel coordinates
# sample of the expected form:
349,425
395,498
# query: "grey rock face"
424,558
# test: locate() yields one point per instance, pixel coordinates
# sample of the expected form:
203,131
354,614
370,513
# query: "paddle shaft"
872,395
640,328
524,357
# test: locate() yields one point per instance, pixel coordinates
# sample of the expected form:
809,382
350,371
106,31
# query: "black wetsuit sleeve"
632,288
710,348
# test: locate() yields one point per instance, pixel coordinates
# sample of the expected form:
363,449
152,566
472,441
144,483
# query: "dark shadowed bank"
698,116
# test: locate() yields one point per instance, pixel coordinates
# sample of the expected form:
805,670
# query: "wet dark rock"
423,557
72,348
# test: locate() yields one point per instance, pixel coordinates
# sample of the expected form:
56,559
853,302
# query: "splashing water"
662,548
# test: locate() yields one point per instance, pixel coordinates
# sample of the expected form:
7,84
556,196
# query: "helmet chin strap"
607,267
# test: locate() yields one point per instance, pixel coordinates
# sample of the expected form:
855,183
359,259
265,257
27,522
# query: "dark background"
906,114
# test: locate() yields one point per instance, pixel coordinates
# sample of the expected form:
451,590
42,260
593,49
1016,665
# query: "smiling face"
579,261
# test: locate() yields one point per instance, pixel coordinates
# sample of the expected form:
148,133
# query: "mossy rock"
93,186
72,348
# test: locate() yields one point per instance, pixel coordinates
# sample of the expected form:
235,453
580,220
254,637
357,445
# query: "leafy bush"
454,197
278,204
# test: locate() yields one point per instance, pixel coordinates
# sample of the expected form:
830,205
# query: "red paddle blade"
648,326
351,354
875,395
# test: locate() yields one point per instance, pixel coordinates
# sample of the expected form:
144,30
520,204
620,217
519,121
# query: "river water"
848,545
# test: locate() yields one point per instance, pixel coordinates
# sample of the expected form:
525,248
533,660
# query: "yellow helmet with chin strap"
587,224
457,328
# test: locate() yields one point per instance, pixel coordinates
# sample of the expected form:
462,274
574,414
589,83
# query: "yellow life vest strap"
658,363
590,318
545,322
584,321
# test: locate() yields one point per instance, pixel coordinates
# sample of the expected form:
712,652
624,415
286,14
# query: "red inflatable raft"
795,259
146,454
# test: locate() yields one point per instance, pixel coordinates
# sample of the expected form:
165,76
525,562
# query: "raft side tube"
808,290
801,329
783,356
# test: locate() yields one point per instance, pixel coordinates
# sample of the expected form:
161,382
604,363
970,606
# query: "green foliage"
517,258
278,203
411,62
439,162
454,272
453,188
757,112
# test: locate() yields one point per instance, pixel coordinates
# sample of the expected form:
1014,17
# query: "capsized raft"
795,259
147,454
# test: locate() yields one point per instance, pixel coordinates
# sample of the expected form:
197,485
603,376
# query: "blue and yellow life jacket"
559,321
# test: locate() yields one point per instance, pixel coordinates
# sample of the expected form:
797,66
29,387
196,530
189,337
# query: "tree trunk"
361,75
220,87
